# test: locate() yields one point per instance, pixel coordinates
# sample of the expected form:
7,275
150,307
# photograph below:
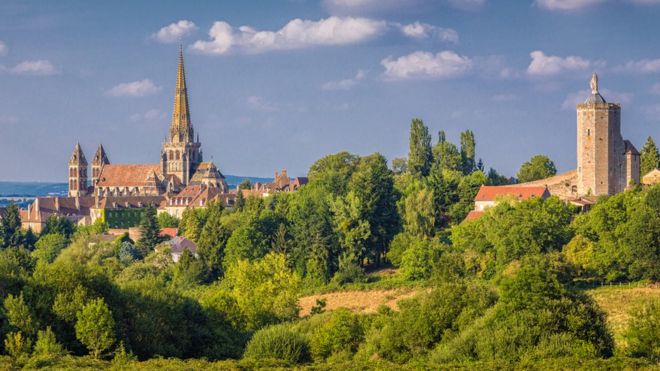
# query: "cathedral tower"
100,160
77,173
181,153
600,146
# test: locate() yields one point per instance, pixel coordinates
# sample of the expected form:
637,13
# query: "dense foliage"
500,291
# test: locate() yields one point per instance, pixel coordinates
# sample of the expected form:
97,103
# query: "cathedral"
180,163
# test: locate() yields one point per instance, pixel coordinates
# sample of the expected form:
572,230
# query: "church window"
171,155
177,155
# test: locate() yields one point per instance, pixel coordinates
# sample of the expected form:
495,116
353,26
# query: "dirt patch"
358,301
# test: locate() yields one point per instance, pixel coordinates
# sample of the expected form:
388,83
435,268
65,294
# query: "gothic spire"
78,157
181,129
100,157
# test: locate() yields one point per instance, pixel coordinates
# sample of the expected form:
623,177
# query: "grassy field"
618,301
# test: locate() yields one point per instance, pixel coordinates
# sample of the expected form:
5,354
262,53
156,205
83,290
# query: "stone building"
606,163
180,161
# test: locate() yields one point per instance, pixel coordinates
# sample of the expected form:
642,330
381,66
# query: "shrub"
418,260
342,332
47,345
643,333
278,342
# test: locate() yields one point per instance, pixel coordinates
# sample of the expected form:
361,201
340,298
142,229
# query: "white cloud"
576,98
345,84
567,5
3,48
296,34
257,103
545,65
148,116
425,65
642,66
138,88
422,31
37,68
175,31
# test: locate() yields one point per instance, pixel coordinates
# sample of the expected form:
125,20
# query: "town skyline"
272,100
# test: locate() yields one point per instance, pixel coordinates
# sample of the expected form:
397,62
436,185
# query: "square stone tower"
600,146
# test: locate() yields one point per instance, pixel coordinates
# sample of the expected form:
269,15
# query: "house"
178,245
489,196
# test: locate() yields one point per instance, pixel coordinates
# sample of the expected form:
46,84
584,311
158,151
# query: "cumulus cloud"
175,31
34,68
567,5
546,65
138,88
576,98
296,34
3,48
148,116
422,31
642,66
345,84
425,65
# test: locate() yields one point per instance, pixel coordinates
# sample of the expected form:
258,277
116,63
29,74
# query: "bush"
643,335
349,272
418,260
278,342
342,332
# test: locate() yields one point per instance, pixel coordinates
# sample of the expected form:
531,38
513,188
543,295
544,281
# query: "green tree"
48,247
150,234
373,184
165,220
47,345
10,228
192,222
19,315
213,239
333,172
538,167
239,201
341,332
649,157
468,147
352,226
447,155
59,225
419,220
399,165
245,184
18,346
95,327
420,156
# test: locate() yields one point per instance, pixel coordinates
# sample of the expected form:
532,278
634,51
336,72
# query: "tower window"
588,132
177,155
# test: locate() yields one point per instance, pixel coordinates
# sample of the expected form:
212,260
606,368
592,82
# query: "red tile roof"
171,232
491,193
128,175
474,214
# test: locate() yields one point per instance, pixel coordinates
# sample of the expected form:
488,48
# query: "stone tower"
601,160
77,173
100,160
181,153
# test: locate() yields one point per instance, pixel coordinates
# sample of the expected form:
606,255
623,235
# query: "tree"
213,239
420,156
468,146
19,315
245,184
373,184
239,201
60,225
538,167
333,172
399,165
649,157
48,247
643,334
447,155
47,345
419,220
165,220
150,236
95,327
351,225
10,228
192,222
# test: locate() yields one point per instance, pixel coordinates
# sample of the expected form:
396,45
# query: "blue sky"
278,84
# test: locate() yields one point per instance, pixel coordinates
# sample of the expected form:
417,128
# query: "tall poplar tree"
650,157
468,147
420,155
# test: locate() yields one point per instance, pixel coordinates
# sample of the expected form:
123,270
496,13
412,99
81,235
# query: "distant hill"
34,189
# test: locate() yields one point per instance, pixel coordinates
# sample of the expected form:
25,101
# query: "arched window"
171,155
177,155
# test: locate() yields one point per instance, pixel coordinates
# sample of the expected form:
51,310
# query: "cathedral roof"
100,157
129,175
